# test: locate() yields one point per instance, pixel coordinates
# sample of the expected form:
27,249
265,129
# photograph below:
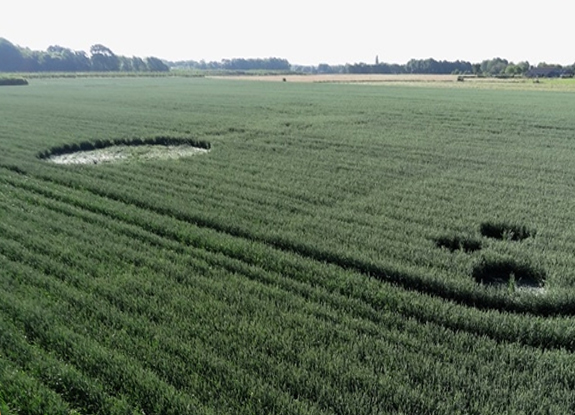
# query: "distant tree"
278,64
103,59
494,66
31,60
46,62
11,59
82,61
511,70
99,49
271,64
138,65
62,59
431,66
125,64
156,65
357,68
58,58
324,68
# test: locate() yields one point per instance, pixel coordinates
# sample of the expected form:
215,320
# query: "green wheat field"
340,249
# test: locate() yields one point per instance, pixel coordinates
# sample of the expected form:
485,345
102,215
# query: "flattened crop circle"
455,243
504,271
105,151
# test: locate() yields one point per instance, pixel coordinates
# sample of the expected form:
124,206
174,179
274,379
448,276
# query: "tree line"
489,67
101,59
268,64
60,59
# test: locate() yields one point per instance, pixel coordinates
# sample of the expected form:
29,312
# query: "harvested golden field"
417,80
346,78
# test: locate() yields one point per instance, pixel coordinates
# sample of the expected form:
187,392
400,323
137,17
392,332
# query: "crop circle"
455,243
506,271
104,151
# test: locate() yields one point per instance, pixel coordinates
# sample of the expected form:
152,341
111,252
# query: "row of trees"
60,59
490,67
424,66
102,59
269,64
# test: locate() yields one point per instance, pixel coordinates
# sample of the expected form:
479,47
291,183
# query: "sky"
305,32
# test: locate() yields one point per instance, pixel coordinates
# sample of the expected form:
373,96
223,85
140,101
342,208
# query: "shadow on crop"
507,271
455,243
506,231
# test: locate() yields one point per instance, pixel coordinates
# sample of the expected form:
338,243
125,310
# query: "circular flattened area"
504,271
127,153
108,151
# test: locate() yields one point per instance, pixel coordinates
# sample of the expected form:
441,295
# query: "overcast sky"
302,31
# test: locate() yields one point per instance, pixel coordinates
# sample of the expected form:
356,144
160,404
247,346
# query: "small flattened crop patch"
506,231
505,271
455,243
106,151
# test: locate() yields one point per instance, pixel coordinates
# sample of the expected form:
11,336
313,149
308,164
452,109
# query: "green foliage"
235,65
103,59
11,81
58,59
156,65
11,59
496,66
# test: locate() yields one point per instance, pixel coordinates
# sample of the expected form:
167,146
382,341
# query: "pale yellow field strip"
345,78
451,81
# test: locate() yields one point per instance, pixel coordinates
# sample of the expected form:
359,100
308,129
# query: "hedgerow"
12,81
